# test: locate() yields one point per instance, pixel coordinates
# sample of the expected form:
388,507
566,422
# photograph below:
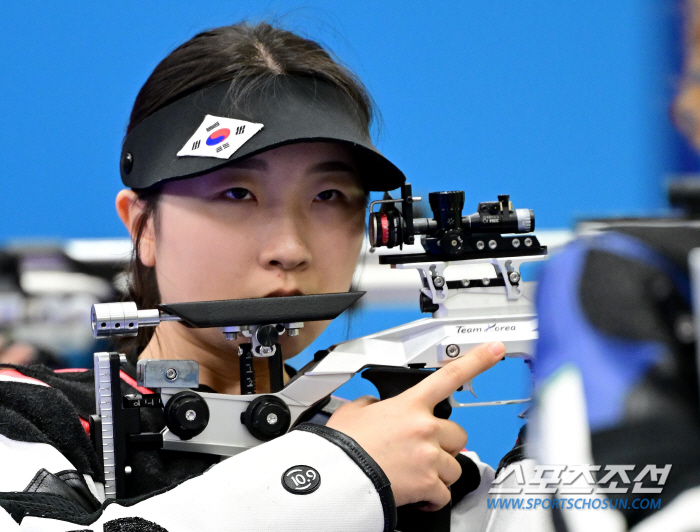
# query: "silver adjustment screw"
271,419
438,281
171,374
452,350
480,245
493,244
516,242
486,281
528,242
230,335
514,277
465,282
265,350
190,415
292,332
127,470
122,359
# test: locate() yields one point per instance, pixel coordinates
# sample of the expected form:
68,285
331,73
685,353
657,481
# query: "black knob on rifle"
186,415
452,242
267,335
267,417
426,304
390,381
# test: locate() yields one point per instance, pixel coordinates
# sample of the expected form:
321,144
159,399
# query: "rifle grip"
390,381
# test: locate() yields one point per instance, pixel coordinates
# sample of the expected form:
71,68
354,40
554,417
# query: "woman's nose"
284,245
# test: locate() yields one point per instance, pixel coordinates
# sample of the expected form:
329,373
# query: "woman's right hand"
415,449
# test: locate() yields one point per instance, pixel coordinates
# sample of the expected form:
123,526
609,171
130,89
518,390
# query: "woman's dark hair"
250,54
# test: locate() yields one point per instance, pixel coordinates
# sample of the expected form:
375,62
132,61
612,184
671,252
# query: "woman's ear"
130,209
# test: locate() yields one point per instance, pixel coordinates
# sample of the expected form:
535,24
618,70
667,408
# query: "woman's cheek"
198,258
336,258
344,227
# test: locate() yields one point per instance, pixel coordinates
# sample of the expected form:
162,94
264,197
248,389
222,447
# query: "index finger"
445,381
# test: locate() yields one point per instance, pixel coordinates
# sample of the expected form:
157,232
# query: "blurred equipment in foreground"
616,372
46,291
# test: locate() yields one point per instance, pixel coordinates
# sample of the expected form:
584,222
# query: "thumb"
360,402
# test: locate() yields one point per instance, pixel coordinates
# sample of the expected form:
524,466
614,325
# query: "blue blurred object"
610,366
616,370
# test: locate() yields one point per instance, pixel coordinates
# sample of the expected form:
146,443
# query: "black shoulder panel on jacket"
20,505
39,414
66,484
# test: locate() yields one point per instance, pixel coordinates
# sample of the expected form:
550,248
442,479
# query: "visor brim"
292,109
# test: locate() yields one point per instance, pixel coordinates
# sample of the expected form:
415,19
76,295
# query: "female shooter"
248,161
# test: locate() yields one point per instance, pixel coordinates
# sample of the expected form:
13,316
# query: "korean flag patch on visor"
219,137
215,126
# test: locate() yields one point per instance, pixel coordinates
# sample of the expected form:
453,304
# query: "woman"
249,163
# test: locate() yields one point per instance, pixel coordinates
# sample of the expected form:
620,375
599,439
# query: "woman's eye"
328,195
239,193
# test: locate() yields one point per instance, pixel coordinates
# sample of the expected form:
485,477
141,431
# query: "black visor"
290,109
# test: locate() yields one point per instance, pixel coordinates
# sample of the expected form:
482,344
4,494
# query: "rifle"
465,313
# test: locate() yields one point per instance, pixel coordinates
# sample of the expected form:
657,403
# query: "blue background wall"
562,105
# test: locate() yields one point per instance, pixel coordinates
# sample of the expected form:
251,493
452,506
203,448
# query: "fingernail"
497,349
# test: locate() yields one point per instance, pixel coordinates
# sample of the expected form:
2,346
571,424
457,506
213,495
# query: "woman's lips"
284,293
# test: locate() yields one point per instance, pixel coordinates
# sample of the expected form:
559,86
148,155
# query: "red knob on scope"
385,229
378,229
